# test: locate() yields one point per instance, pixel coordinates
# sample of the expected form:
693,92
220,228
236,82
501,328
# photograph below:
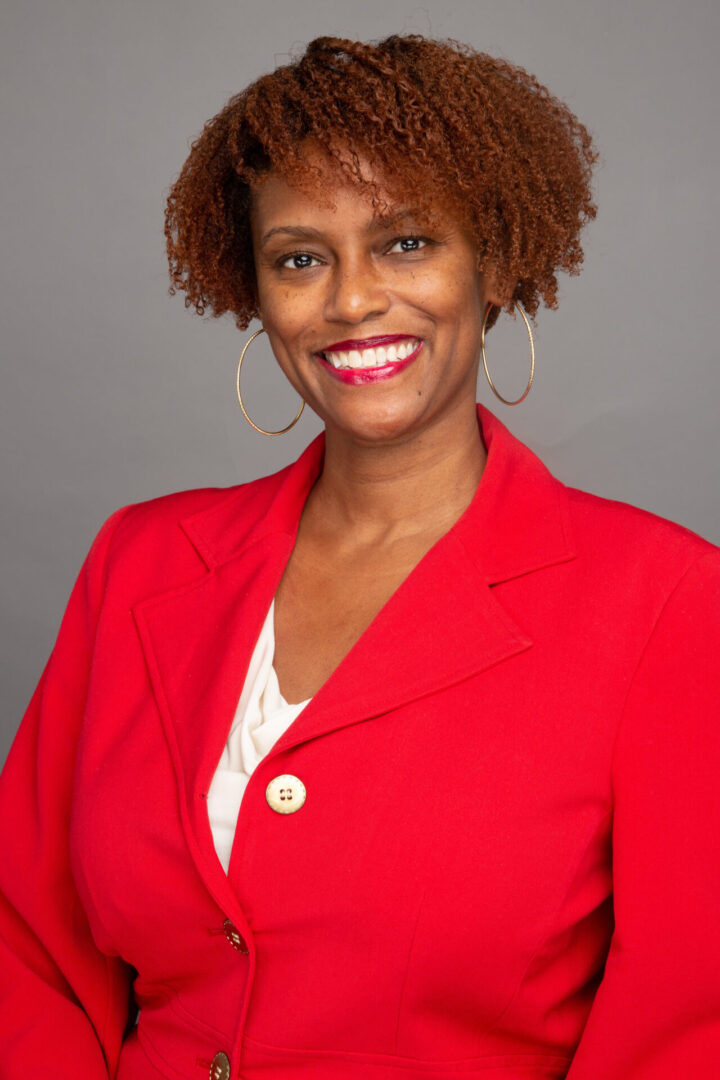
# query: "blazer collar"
517,522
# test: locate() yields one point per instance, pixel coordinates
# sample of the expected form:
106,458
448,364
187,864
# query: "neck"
397,490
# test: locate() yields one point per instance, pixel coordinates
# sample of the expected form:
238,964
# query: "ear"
496,289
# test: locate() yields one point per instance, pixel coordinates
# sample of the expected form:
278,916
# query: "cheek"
457,289
284,312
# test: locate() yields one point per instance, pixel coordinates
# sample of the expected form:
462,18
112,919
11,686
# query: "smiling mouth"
376,357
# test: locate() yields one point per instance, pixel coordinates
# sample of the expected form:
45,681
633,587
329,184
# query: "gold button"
285,794
220,1067
235,937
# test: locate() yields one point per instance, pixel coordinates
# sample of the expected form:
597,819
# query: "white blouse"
261,717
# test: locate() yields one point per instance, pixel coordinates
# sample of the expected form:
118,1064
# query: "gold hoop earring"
262,431
517,401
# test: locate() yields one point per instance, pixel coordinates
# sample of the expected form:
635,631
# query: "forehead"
354,188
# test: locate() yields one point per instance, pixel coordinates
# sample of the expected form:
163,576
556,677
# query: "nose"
356,292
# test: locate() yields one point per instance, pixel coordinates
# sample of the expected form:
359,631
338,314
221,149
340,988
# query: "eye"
301,261
410,244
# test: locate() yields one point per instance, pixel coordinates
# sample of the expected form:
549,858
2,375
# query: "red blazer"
508,860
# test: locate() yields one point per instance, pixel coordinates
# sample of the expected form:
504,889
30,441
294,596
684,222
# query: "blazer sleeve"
63,1004
656,1014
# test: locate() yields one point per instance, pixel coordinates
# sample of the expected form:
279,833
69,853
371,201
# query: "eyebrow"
303,232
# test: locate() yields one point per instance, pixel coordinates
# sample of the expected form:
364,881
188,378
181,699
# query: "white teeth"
370,358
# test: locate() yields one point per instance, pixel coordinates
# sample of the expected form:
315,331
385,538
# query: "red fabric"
508,862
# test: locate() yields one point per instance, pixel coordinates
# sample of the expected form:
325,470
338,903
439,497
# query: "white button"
285,794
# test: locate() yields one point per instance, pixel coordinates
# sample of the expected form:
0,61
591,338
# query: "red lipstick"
363,376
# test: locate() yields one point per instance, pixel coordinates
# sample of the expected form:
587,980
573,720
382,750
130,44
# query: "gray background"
113,393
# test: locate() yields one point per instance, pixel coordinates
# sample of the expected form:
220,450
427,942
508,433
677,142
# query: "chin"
379,425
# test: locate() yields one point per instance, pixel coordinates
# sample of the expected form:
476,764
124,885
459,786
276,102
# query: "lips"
356,375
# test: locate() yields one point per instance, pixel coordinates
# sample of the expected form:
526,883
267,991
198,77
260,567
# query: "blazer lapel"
444,624
198,639
198,642
441,626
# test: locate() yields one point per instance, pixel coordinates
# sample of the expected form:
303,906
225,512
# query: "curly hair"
452,127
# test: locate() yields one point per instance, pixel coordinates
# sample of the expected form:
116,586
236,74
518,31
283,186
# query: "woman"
402,761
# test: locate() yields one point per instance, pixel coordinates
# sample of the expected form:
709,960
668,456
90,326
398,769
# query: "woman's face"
399,307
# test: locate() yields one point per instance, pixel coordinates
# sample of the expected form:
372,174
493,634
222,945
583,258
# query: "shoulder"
163,514
633,550
598,519
158,542
613,548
